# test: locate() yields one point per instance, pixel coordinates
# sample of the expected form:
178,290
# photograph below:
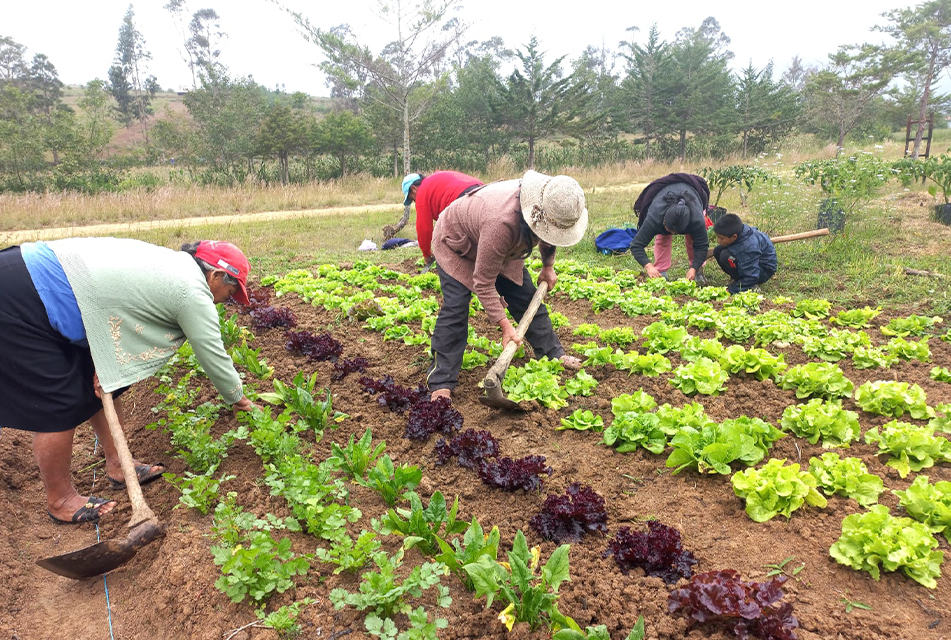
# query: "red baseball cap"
230,258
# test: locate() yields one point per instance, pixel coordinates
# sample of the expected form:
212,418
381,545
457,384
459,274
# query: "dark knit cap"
728,225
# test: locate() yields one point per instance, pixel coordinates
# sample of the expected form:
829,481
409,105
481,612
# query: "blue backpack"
614,241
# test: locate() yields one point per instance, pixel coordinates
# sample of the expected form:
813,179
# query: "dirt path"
27,235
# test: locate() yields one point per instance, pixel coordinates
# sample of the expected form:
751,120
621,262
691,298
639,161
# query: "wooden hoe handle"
140,510
494,377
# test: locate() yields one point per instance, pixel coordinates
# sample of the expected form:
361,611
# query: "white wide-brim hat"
554,208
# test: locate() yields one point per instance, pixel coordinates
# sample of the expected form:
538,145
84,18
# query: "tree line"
433,99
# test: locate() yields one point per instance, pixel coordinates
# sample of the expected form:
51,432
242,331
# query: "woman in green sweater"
85,315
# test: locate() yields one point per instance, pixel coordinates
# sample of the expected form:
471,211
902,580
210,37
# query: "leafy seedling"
780,568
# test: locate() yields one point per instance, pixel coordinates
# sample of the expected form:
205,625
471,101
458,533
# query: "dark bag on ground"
614,241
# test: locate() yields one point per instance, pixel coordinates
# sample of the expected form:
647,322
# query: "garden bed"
168,589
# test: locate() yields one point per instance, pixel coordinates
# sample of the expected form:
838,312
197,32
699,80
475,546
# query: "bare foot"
441,393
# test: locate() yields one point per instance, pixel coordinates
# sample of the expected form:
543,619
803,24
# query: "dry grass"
40,211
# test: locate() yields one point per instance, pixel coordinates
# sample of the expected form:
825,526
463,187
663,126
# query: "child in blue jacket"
745,253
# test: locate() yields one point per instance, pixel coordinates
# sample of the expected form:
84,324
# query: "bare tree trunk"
406,134
531,152
923,105
683,144
390,230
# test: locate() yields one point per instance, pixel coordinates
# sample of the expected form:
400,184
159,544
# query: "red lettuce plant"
343,368
427,417
318,347
471,447
392,395
521,473
268,317
569,517
256,298
658,551
752,608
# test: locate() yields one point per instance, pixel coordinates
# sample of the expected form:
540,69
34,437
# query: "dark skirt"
45,380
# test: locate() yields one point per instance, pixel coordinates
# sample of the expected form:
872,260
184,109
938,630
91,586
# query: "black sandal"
143,472
89,512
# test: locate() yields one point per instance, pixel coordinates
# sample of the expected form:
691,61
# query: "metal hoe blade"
492,384
104,556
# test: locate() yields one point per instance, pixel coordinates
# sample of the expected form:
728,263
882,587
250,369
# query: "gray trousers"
452,327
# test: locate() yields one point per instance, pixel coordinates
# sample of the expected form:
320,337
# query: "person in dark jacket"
745,253
674,204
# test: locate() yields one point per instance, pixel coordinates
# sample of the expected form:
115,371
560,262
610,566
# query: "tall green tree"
284,132
923,33
838,96
129,81
766,109
593,74
647,84
344,136
701,94
536,100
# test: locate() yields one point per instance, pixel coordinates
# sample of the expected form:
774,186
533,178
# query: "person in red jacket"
432,194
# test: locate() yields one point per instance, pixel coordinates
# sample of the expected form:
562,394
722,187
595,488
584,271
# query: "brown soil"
168,590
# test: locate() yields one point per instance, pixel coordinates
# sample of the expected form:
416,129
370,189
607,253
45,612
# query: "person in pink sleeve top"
480,243
432,194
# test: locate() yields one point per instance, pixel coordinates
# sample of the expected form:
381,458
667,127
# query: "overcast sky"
80,37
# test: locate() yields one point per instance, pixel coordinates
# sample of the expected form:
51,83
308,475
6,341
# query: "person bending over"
481,242
672,205
432,194
83,316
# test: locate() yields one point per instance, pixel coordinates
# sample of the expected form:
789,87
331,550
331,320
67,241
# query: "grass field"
863,265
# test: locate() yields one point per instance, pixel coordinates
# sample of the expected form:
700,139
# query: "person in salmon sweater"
481,243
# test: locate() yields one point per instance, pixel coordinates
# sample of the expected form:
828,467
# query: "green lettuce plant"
929,504
583,420
673,419
846,476
775,489
759,363
856,318
637,402
822,379
537,380
909,349
618,336
629,431
647,364
941,374
703,376
587,330
872,357
911,447
913,325
875,540
712,448
696,348
659,337
814,309
895,399
581,384
816,419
